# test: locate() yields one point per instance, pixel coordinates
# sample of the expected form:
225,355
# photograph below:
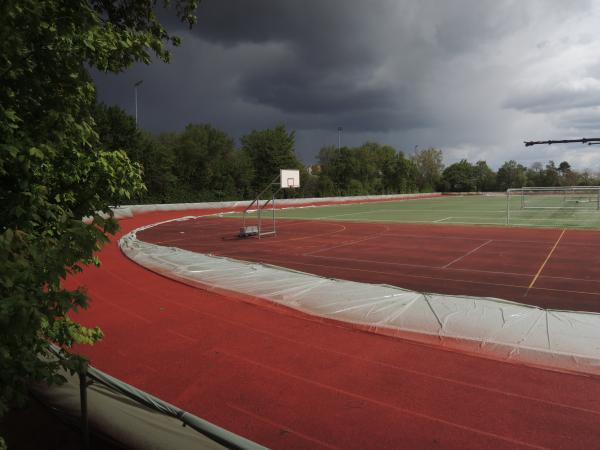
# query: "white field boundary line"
417,266
542,243
341,204
345,244
482,238
356,213
453,381
467,254
278,372
474,217
423,266
441,220
500,223
399,211
426,266
411,275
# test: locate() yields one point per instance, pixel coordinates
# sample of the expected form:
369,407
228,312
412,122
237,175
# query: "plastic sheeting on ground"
131,210
492,327
134,418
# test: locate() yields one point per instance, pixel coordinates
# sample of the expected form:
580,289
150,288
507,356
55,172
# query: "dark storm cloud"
328,64
473,76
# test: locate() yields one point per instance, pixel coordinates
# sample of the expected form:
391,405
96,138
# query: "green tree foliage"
270,150
550,176
511,175
158,162
568,177
460,177
117,130
401,175
535,174
429,165
204,166
485,178
587,178
371,168
53,172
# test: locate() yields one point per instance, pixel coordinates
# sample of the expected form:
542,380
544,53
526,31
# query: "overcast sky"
472,77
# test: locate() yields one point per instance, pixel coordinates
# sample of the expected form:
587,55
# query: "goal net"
574,197
558,202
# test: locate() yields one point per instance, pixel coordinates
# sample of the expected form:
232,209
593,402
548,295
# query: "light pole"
135,88
340,129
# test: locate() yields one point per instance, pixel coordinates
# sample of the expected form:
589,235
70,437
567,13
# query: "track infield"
554,268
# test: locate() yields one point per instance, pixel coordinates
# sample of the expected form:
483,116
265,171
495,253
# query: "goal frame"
592,192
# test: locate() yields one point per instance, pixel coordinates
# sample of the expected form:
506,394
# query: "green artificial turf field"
471,209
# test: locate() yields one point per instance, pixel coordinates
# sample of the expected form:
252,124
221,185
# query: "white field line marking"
385,404
467,254
411,275
373,236
463,238
342,245
359,212
423,266
500,222
545,261
441,220
436,267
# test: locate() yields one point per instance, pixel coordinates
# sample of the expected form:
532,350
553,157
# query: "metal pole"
508,207
339,137
135,88
259,223
85,432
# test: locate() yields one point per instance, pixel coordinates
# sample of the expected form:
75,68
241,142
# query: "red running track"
289,381
550,268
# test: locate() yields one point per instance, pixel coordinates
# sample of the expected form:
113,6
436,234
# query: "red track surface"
288,381
450,259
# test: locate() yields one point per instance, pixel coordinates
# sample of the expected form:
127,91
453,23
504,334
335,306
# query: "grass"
470,210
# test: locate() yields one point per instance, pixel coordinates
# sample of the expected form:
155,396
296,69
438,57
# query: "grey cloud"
552,100
584,120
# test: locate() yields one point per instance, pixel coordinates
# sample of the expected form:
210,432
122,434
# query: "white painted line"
467,254
441,220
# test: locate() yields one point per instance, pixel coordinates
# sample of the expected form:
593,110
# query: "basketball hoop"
289,178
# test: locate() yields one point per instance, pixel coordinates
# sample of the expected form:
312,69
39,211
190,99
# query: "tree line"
202,163
466,177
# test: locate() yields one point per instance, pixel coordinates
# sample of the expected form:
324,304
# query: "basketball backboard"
290,178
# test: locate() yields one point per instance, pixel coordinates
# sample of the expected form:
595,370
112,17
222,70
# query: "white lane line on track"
467,254
379,403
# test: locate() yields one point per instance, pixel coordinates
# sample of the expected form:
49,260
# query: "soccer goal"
263,210
569,199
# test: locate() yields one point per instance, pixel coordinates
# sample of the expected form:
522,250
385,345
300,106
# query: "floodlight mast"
588,141
135,88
